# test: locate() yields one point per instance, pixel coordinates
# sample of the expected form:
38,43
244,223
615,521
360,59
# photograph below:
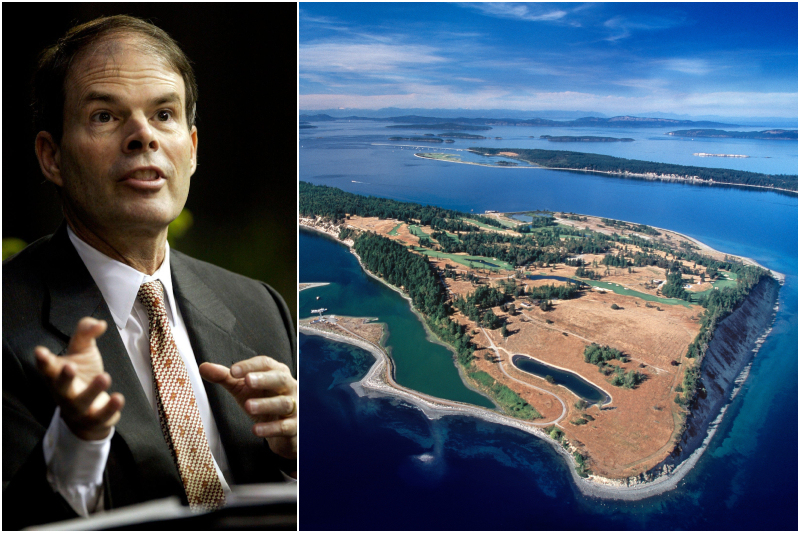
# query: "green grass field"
726,279
476,261
613,287
393,233
486,226
417,232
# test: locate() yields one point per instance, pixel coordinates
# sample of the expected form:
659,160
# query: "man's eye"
164,115
103,116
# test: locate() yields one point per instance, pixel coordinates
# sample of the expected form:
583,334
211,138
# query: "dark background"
243,195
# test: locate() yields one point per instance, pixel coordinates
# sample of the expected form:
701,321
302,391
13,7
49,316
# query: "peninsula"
634,168
660,324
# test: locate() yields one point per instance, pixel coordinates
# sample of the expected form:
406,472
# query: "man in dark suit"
115,105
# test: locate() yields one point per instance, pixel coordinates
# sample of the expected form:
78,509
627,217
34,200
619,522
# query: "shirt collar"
118,282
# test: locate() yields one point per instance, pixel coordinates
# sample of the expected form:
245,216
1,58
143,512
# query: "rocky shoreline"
725,367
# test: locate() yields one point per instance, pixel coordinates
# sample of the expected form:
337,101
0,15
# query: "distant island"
778,135
588,138
440,126
703,154
634,168
412,121
461,136
417,139
304,125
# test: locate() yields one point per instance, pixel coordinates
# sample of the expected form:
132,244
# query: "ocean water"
381,464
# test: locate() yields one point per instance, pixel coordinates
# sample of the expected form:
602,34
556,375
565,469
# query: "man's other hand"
79,383
266,390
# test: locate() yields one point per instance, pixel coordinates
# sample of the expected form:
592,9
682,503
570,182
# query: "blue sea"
381,464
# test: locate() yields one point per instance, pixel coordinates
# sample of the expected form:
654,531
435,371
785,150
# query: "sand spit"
725,369
304,286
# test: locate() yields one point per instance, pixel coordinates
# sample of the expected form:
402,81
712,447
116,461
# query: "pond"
565,378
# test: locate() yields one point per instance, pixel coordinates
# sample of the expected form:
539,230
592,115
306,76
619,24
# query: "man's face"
127,155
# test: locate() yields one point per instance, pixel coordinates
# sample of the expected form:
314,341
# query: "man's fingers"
47,362
86,398
275,381
218,374
284,427
259,363
275,406
87,331
109,414
64,379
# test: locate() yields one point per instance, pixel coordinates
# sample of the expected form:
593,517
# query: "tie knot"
151,294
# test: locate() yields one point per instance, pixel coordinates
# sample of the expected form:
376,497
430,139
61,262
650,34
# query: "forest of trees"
673,288
561,292
605,163
335,204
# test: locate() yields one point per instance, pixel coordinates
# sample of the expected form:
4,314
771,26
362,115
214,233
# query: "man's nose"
140,136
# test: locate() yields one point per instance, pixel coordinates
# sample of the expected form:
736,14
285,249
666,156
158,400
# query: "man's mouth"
144,178
143,175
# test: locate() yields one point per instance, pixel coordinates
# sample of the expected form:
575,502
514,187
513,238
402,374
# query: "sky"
695,59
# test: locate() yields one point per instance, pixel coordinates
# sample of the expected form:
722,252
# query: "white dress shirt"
74,466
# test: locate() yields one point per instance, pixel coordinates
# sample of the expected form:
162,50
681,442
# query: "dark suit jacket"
46,290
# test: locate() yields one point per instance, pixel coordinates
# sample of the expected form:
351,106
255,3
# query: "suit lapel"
211,327
74,295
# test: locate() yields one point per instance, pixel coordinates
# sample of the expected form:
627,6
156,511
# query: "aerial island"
617,342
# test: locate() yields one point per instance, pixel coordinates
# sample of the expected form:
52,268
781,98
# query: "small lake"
565,378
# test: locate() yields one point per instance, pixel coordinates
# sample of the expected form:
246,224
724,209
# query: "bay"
380,464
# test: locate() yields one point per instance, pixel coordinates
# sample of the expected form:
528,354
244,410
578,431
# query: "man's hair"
55,63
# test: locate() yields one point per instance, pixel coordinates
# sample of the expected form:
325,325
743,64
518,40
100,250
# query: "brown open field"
635,431
354,327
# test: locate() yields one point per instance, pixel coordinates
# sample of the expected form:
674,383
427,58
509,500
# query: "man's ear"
193,135
49,155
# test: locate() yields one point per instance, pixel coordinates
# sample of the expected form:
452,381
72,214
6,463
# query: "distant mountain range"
625,121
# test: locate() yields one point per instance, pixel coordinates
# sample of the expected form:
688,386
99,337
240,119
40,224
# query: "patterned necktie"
180,416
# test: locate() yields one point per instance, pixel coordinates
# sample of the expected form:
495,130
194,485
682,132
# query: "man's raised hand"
266,390
79,383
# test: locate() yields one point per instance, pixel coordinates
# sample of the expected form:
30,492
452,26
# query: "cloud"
687,66
528,12
623,26
364,58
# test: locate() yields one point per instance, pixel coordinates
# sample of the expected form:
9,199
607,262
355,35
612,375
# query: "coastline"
379,382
